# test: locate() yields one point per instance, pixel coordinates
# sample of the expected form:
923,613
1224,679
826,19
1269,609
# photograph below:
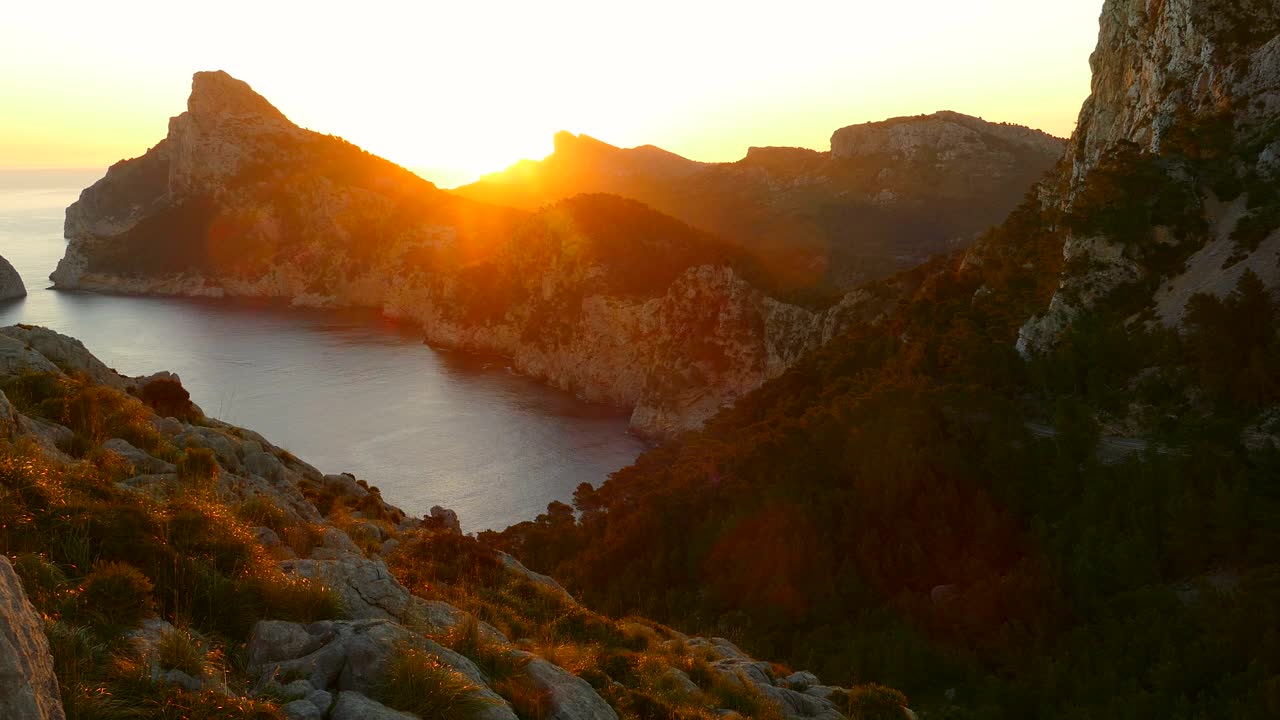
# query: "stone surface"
28,687
11,286
355,706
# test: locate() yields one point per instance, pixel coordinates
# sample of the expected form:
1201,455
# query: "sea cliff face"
595,295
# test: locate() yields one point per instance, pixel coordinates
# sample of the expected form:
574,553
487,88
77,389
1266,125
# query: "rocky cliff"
886,197
1179,139
238,201
175,539
10,282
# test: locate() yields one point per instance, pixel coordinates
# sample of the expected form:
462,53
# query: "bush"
180,650
417,682
169,399
876,702
198,468
116,595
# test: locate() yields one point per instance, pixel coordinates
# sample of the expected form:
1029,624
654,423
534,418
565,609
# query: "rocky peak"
215,94
950,134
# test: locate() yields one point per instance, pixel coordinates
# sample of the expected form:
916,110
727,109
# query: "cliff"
11,286
224,572
885,198
1184,104
238,201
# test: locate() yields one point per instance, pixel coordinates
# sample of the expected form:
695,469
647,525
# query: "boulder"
367,588
355,706
17,358
28,687
263,464
66,353
141,461
301,710
447,519
568,697
11,286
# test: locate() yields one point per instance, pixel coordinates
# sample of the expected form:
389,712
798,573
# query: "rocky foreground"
376,596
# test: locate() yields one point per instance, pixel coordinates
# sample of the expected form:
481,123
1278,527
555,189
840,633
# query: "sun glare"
456,90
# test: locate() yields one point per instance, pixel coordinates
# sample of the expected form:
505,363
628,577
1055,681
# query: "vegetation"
418,683
97,560
888,511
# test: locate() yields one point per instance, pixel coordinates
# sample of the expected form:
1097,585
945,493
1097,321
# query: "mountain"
886,197
597,295
156,562
1045,484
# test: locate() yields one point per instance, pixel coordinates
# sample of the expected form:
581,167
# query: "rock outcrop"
28,687
238,201
11,286
886,197
1182,118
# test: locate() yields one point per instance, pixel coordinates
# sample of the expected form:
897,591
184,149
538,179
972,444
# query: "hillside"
930,501
886,197
158,563
596,294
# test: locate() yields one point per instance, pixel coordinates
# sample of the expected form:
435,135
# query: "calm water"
343,391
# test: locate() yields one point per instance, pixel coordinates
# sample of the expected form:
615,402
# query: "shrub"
169,399
180,650
198,468
261,510
876,702
116,595
417,682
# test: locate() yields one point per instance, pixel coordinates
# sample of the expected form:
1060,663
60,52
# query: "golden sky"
454,89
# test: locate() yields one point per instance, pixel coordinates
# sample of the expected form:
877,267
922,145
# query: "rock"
301,710
547,582
263,464
67,353
276,640
367,588
141,461
11,286
10,419
321,700
567,696
335,544
17,358
28,687
355,706
345,486
225,447
802,680
168,427
446,518
942,138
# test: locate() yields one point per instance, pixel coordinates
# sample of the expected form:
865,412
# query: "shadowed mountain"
596,294
886,197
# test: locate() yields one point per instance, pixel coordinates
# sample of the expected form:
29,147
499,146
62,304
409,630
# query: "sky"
456,89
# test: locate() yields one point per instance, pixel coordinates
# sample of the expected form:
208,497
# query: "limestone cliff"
10,282
595,295
1180,134
886,197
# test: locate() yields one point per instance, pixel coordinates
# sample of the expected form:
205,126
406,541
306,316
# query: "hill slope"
886,197
184,567
927,501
